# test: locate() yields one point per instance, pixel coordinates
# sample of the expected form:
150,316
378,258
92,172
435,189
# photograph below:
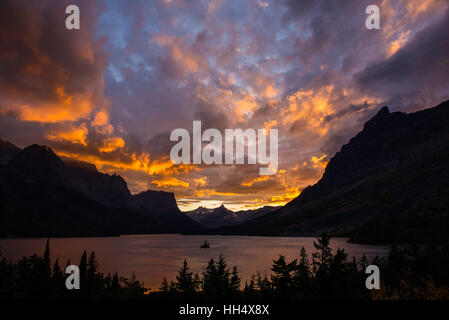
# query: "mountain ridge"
222,216
104,205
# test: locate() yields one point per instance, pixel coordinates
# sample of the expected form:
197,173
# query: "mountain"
7,151
221,216
42,195
389,183
163,205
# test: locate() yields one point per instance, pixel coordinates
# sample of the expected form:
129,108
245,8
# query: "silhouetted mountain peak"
35,155
38,163
163,204
381,116
7,151
157,200
383,112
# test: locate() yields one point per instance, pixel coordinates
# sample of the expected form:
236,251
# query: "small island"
205,245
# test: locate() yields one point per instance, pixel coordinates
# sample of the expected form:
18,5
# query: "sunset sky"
111,92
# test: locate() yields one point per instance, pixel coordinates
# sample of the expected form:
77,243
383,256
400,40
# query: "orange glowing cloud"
245,107
101,123
172,182
282,199
70,133
67,108
253,181
319,162
181,53
270,92
268,125
310,107
200,181
398,43
112,144
212,192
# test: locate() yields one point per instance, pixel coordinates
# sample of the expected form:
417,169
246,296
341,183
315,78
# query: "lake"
153,257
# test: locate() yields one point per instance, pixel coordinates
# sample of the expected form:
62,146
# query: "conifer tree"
302,274
210,278
185,281
235,280
282,277
323,257
115,284
47,266
164,286
83,271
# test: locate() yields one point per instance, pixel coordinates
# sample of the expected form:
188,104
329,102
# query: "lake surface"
153,257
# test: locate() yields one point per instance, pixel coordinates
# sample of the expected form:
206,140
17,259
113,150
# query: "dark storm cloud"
211,116
350,109
38,54
159,146
420,67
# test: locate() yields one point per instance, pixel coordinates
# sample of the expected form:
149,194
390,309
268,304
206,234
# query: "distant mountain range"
42,195
389,183
221,216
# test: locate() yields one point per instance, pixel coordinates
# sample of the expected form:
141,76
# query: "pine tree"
57,272
164,286
363,263
323,258
302,274
115,284
210,279
92,277
282,278
107,282
47,265
57,277
223,276
185,281
172,287
235,280
92,265
83,272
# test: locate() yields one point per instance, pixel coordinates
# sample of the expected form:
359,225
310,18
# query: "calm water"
154,256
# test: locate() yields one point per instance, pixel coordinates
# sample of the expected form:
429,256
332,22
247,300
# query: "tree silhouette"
282,277
302,274
210,279
186,282
165,288
92,277
234,284
115,285
323,257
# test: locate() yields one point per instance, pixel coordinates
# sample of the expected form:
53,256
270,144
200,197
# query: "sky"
111,92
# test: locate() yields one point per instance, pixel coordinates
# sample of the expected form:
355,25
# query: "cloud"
416,70
49,73
70,133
